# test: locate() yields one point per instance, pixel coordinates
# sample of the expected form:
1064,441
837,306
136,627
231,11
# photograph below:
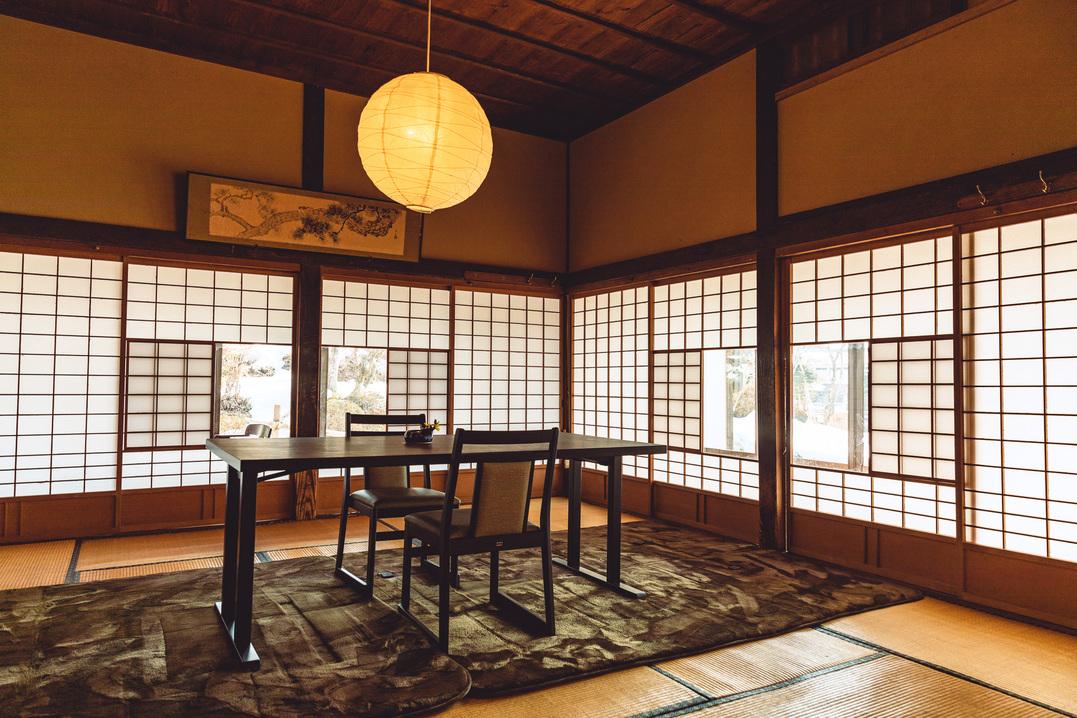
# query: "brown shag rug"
154,646
703,591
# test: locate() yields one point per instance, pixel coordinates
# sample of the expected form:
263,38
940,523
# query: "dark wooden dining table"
251,461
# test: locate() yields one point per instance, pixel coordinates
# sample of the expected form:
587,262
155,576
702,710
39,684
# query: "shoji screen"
400,335
610,382
1020,317
59,374
175,316
506,361
873,385
704,377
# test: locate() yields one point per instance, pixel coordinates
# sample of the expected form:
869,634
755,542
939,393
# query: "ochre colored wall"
105,132
101,131
515,219
678,172
999,88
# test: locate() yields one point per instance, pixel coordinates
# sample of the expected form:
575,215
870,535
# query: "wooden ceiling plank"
476,24
659,42
484,64
729,19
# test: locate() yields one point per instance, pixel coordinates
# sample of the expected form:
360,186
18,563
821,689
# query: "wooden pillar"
771,389
307,376
771,379
307,310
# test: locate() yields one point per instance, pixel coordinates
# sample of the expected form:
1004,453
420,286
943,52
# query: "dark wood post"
771,380
307,377
306,350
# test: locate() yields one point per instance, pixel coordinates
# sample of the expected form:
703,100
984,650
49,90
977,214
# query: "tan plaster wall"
515,219
999,88
105,132
677,172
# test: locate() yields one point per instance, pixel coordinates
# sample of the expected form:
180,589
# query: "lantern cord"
429,13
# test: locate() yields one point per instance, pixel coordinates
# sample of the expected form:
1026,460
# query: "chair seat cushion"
398,498
429,523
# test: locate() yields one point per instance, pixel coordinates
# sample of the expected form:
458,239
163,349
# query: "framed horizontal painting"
241,212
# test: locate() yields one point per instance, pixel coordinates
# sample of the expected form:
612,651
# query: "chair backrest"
262,431
504,475
381,477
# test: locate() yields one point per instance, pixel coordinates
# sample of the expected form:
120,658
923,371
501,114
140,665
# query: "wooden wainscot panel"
593,488
926,560
161,508
61,517
329,494
828,538
730,516
636,496
676,503
1040,588
276,500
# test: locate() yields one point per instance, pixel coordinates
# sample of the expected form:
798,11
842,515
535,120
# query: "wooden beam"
659,42
729,19
313,138
768,68
520,37
770,382
769,374
306,362
82,238
1012,187
420,47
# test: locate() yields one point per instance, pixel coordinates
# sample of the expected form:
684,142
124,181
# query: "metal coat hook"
1046,187
983,197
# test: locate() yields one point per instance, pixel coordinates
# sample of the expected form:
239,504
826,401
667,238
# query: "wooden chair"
387,493
256,431
496,521
260,431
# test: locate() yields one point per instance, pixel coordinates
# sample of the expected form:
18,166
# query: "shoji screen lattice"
197,307
690,318
898,300
409,324
1020,319
59,374
610,382
507,361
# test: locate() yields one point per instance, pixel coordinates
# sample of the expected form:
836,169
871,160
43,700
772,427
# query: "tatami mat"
763,663
886,687
625,693
147,569
104,553
1023,659
35,564
137,550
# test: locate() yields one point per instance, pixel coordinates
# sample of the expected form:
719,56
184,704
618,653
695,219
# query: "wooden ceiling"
552,68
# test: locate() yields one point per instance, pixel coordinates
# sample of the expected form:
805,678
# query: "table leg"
227,606
575,498
237,576
612,578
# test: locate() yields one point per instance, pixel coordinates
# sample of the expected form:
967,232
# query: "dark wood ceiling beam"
484,64
659,42
475,24
723,16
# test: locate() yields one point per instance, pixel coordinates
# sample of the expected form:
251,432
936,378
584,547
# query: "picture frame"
222,209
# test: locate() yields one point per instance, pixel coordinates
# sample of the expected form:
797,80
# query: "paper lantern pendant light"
425,141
